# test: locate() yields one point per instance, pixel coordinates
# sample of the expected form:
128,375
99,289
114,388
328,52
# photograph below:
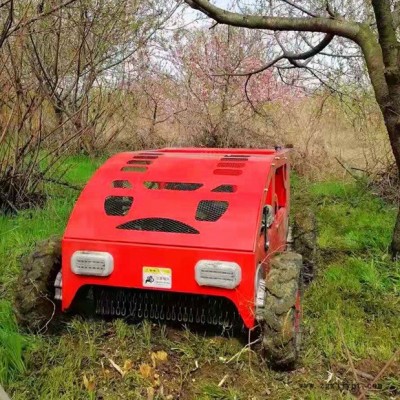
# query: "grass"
352,307
358,288
12,344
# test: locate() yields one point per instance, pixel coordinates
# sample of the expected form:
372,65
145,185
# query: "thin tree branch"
300,8
8,23
330,10
323,53
288,56
21,25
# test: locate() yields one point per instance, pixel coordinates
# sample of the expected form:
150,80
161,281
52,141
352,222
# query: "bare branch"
343,28
21,25
310,53
300,8
330,10
323,53
292,57
9,21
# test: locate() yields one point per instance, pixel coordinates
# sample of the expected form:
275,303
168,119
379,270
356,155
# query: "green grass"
12,344
352,307
357,289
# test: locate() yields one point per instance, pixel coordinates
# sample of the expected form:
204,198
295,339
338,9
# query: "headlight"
223,274
96,263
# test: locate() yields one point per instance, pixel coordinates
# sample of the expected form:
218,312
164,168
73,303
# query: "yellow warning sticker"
157,277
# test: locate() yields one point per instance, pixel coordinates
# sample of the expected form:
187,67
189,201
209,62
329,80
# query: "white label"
157,277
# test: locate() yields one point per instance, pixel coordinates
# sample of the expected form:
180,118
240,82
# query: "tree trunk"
391,115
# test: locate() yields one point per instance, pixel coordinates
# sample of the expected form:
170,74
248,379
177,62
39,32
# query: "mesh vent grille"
134,169
117,205
225,188
158,225
122,184
172,185
231,164
211,210
221,171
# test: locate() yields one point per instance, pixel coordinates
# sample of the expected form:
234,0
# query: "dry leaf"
89,383
157,381
159,357
150,393
116,367
162,355
127,366
145,370
85,381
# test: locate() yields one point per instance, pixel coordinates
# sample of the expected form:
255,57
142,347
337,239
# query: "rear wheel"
281,315
34,294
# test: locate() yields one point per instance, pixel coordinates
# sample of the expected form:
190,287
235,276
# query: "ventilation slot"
122,184
158,225
211,210
134,169
172,185
235,158
225,189
227,171
140,162
149,153
146,157
117,205
231,165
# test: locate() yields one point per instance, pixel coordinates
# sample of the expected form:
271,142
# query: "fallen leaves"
145,370
116,367
150,393
158,357
124,370
127,366
89,383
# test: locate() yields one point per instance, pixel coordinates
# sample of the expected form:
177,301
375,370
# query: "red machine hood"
234,178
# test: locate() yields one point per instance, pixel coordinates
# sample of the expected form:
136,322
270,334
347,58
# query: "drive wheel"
281,319
34,294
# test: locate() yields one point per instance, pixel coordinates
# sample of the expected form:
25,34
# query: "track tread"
33,300
280,342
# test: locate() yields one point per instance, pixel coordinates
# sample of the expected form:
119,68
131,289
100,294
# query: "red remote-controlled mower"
189,235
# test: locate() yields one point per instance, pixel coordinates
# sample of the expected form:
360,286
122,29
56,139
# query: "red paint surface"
234,237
